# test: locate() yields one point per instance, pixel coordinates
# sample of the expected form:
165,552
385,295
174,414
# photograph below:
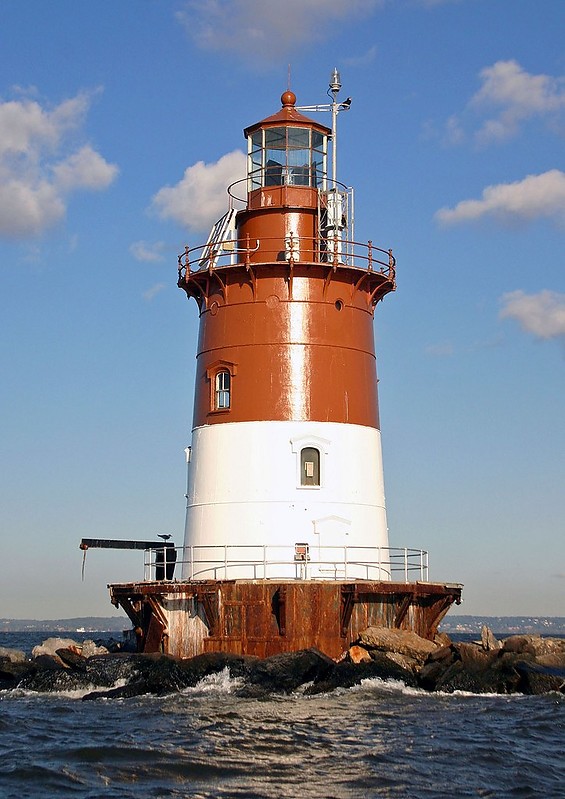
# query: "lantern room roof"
288,115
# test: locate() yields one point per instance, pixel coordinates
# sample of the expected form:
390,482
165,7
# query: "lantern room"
286,149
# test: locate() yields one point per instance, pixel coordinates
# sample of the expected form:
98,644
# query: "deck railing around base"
298,562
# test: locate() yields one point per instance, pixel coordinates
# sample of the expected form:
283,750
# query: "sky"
120,127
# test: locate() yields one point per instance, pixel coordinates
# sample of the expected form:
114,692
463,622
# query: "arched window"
222,390
310,466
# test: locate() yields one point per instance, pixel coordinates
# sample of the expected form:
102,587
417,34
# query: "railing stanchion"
405,565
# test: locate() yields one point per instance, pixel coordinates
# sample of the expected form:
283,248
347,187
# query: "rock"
488,639
404,661
12,672
49,662
442,639
72,659
534,645
446,653
346,674
90,648
358,654
135,688
287,671
404,642
431,673
51,645
13,655
537,679
468,667
556,660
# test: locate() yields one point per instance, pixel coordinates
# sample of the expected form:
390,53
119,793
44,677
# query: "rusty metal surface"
265,617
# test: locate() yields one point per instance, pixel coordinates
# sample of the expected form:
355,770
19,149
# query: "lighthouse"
286,540
286,446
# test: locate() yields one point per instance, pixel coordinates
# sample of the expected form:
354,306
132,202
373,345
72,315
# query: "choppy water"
376,740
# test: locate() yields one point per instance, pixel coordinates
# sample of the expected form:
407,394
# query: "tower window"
310,466
222,393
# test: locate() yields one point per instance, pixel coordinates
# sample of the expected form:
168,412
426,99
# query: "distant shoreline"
501,625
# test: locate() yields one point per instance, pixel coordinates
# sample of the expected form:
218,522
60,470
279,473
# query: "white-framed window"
222,390
310,466
311,455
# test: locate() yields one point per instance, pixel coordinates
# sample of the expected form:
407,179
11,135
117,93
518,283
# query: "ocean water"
379,739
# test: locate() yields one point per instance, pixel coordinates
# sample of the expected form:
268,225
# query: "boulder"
556,660
346,674
51,645
72,659
285,672
442,639
12,672
533,645
404,642
404,661
537,679
358,654
13,655
488,639
90,648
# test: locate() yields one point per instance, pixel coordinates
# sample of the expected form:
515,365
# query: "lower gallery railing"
298,562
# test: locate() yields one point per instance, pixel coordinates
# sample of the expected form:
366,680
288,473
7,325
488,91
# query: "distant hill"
500,625
505,625
82,624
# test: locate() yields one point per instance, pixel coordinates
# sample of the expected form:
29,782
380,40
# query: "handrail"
271,562
236,253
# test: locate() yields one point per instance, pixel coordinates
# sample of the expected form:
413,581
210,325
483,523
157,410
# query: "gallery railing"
298,562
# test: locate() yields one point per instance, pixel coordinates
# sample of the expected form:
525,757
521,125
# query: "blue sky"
120,125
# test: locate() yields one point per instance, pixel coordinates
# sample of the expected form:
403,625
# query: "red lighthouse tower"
286,540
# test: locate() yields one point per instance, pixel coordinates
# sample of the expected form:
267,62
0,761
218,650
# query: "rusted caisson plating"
286,541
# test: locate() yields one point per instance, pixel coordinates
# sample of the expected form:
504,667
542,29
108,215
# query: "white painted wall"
244,489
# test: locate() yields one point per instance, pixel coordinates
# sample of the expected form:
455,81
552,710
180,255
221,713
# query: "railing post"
405,564
370,254
225,561
247,258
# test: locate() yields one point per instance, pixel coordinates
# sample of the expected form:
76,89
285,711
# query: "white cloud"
267,29
38,168
441,350
515,96
542,314
362,60
153,291
85,169
144,251
533,197
199,199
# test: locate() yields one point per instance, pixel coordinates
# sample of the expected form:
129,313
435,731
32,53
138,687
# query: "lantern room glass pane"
289,156
275,138
298,137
